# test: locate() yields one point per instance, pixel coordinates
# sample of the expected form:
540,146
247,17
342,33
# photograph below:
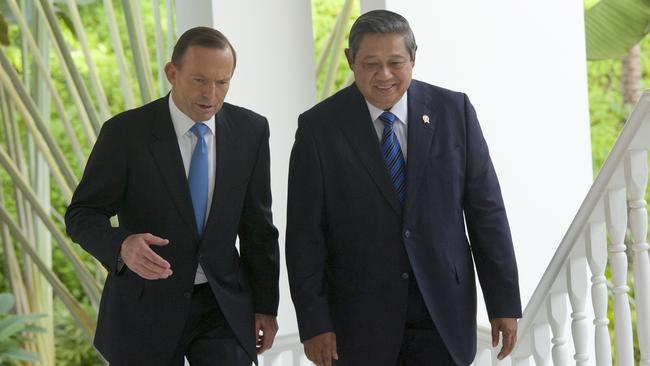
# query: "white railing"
614,204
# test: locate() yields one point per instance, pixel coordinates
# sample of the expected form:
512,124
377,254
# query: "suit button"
405,275
187,295
407,234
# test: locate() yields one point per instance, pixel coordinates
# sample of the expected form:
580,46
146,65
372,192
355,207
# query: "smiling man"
385,178
186,175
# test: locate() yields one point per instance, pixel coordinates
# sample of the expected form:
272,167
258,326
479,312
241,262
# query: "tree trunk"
631,76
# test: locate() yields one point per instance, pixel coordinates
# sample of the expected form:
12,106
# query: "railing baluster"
557,315
596,242
541,344
577,285
616,214
636,170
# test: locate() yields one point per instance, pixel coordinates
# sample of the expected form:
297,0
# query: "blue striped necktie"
393,155
197,178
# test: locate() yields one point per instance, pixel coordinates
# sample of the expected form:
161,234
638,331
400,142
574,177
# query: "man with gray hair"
385,179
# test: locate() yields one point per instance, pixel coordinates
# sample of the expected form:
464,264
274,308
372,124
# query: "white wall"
523,66
274,77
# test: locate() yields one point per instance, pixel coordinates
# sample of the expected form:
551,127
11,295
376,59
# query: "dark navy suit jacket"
136,171
350,240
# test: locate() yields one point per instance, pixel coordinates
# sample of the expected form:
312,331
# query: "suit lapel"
168,158
227,165
420,138
361,135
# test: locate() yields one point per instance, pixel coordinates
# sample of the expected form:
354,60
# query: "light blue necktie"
198,176
393,155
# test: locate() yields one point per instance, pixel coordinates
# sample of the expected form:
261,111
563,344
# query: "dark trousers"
207,339
421,345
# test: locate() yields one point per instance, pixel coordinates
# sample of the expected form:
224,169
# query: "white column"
274,77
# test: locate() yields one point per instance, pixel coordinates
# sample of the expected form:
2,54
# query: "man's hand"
266,326
321,349
508,328
140,259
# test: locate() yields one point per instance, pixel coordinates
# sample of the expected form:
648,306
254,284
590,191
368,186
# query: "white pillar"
274,77
528,82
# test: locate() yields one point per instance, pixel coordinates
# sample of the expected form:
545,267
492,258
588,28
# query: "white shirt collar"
400,109
182,122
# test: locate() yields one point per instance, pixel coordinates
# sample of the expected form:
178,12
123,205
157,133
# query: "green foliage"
15,331
72,349
613,26
324,14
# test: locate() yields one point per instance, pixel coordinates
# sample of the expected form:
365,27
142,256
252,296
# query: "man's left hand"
507,327
266,326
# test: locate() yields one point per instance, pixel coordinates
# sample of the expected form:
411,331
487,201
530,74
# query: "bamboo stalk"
81,109
86,324
171,39
40,131
139,48
86,279
12,267
159,51
57,35
96,84
330,77
40,62
328,45
23,211
127,92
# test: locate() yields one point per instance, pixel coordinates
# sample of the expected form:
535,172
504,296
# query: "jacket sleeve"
305,243
487,226
258,238
98,197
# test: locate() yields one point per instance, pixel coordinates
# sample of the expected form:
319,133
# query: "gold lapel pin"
425,119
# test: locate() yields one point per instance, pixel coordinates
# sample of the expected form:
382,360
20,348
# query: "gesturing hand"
508,329
321,349
140,259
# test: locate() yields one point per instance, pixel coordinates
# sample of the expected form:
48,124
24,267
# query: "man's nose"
385,72
208,89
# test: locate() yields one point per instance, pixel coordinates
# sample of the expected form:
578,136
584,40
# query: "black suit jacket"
351,243
135,171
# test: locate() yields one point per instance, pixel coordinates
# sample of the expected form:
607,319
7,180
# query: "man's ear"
170,72
348,56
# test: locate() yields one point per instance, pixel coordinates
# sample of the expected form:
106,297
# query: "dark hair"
204,37
382,22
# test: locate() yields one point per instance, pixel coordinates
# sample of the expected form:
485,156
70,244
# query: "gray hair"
381,22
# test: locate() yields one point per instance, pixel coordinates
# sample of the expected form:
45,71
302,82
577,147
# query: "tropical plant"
613,30
15,332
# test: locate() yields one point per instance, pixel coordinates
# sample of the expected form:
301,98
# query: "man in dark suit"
383,176
186,175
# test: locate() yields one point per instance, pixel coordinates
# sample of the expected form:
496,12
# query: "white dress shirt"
400,127
186,143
